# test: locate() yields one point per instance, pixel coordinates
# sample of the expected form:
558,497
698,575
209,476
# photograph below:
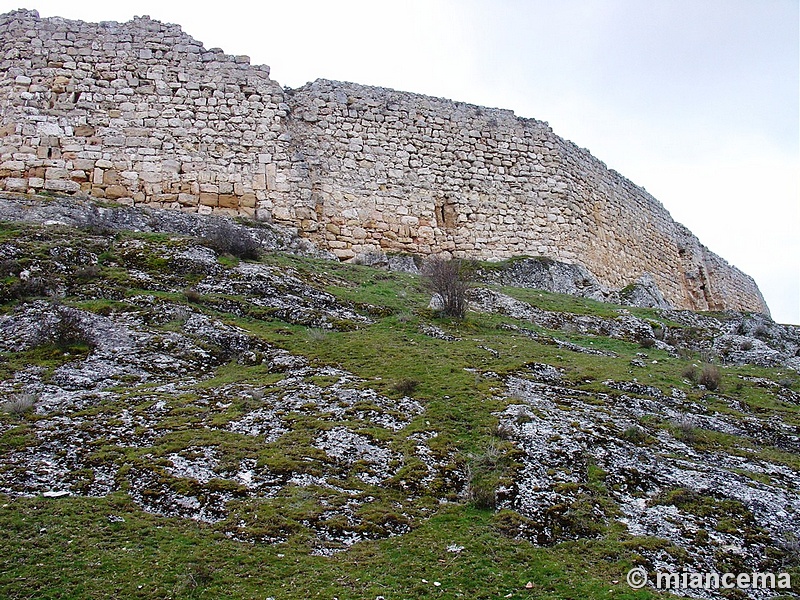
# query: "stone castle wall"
141,113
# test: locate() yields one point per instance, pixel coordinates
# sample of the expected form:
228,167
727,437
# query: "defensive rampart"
141,113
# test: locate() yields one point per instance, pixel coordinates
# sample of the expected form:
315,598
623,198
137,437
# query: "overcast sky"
694,100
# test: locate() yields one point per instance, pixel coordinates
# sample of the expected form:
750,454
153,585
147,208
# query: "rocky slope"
306,407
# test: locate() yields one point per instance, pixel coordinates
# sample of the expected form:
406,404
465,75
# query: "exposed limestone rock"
660,485
625,326
645,293
269,401
86,213
196,482
740,339
547,274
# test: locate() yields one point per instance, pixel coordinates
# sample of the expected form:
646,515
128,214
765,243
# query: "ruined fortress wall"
141,113
137,111
383,170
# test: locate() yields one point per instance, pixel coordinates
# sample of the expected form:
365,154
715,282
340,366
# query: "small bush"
482,492
405,387
316,335
28,288
19,404
684,429
66,330
181,314
710,377
405,317
192,295
690,373
198,576
483,476
445,278
761,332
707,356
746,345
635,435
647,342
9,267
505,431
227,238
87,272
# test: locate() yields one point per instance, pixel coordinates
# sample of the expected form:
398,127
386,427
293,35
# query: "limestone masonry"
141,113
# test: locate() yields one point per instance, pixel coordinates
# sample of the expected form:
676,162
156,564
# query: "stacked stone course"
136,112
141,113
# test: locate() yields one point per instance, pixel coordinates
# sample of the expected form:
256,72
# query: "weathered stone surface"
130,347
645,293
563,433
87,214
548,274
358,169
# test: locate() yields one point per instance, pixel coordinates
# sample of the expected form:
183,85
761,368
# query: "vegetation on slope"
438,518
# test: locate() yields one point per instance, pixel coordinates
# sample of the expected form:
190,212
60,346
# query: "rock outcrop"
142,113
305,406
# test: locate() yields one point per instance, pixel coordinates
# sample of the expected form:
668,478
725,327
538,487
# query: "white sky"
694,100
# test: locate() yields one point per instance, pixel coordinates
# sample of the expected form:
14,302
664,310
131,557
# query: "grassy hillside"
181,423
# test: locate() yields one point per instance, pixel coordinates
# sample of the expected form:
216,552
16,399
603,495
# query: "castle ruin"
141,113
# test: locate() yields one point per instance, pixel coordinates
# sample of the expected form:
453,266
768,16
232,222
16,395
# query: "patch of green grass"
139,555
11,231
554,302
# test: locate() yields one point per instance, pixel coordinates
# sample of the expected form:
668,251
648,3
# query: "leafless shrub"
684,429
445,278
405,387
192,295
19,404
647,342
710,377
761,332
316,335
9,267
227,238
746,345
707,356
197,577
505,431
521,417
27,288
65,330
87,272
181,314
690,373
